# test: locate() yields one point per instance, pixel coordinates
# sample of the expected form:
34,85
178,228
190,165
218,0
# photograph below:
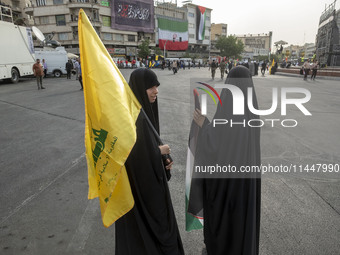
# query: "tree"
157,51
144,49
230,46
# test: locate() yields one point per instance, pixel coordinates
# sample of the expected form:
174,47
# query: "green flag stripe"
172,25
191,222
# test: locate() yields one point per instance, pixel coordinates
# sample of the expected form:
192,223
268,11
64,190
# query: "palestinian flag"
193,186
173,33
201,13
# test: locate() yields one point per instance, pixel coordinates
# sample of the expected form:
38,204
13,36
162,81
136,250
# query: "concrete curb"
301,76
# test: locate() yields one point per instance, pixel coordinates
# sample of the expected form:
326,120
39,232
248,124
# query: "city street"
43,172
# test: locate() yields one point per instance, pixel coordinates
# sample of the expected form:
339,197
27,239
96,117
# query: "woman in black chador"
150,228
231,201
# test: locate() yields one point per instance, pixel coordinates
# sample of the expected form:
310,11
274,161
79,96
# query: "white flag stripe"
169,35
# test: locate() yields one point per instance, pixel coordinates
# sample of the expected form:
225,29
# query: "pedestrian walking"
306,69
263,67
76,67
150,227
69,67
80,77
314,68
222,68
38,72
45,67
174,66
231,204
213,69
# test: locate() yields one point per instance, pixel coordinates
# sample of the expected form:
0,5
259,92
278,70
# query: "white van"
16,51
186,61
55,59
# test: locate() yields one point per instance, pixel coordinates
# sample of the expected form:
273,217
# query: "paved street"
43,173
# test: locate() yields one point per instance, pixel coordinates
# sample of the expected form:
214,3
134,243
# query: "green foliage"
144,49
275,57
261,58
186,55
230,46
157,51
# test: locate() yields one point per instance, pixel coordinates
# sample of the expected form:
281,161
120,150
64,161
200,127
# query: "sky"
293,21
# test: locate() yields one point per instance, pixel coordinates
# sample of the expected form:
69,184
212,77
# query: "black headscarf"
142,79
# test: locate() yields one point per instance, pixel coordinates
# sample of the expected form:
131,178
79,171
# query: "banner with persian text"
133,15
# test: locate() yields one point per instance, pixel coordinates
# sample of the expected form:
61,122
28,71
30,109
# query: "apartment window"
63,36
95,15
44,20
41,2
207,18
106,21
107,36
60,20
224,30
119,37
131,38
58,1
191,25
190,14
191,36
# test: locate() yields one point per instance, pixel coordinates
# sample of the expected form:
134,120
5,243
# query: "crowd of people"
231,206
72,66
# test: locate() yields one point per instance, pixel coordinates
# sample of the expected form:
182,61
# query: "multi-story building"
13,11
199,28
198,22
256,44
299,53
60,17
328,37
218,30
173,15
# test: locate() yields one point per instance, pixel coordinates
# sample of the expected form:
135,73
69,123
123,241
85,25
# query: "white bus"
16,51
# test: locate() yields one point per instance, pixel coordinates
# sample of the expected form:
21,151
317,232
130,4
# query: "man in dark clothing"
69,67
213,69
263,67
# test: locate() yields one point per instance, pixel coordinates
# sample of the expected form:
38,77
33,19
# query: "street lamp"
165,47
209,41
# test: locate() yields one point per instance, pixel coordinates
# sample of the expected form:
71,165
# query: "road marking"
83,231
41,189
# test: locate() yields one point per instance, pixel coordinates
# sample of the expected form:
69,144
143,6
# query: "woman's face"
152,94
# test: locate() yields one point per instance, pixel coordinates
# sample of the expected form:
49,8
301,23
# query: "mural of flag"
193,186
111,110
173,33
201,13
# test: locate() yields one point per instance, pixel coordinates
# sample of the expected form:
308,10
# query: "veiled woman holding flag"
150,228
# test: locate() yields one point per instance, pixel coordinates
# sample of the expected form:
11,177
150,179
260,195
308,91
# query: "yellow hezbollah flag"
111,110
270,69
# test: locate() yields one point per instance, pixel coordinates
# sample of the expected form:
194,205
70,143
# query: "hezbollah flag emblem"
111,110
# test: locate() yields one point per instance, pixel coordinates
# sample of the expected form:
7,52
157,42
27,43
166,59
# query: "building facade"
199,44
218,30
256,44
328,37
299,53
13,11
60,18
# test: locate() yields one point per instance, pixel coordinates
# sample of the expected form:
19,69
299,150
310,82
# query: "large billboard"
133,15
